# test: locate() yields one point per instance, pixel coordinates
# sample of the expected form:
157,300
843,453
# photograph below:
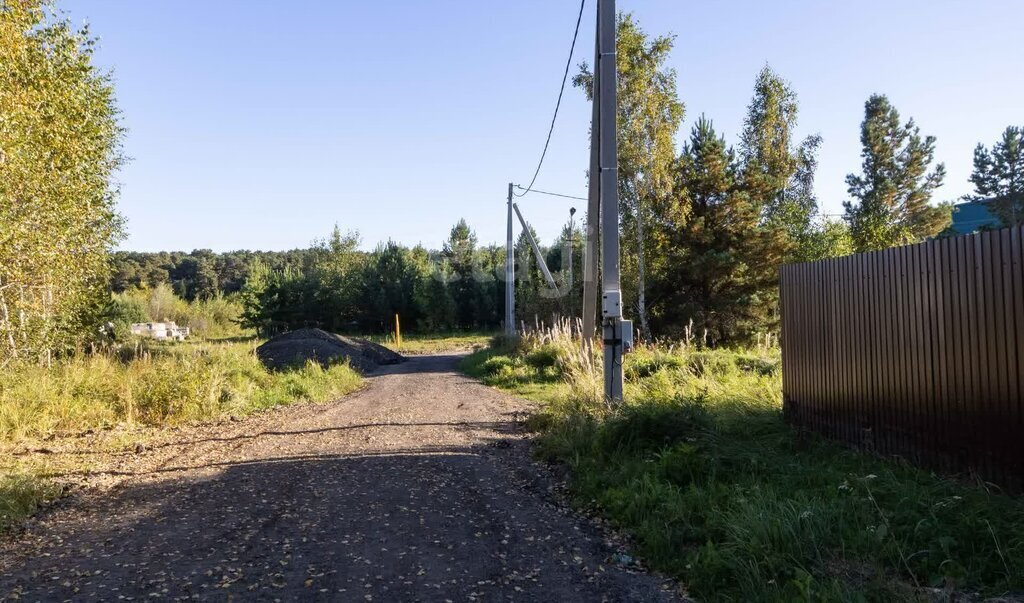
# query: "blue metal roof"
973,216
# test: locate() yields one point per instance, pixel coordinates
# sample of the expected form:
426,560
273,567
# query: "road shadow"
434,363
502,428
430,523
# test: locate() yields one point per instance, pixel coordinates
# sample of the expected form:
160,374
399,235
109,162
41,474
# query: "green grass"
717,490
165,385
434,343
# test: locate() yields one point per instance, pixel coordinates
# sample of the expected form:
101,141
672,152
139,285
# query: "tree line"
705,224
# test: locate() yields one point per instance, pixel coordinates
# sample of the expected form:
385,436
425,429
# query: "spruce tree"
890,202
998,177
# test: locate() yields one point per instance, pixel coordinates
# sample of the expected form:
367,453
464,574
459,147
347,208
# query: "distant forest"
335,286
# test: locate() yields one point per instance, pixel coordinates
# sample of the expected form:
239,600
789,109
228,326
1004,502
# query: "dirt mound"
295,348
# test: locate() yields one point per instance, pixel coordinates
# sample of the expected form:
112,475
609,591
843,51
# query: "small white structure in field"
160,331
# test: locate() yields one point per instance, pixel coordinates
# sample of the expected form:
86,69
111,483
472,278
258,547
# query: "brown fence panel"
915,351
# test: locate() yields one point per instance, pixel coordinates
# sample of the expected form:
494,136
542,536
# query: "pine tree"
721,260
891,198
460,251
998,176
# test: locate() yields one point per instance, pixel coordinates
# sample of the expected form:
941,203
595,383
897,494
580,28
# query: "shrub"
711,363
544,356
496,364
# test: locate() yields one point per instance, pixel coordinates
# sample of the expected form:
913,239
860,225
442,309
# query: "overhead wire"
540,192
558,104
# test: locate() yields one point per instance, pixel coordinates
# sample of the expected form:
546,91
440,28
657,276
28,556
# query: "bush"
711,363
122,312
495,365
545,356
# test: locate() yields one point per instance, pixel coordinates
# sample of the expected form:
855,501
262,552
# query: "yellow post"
398,332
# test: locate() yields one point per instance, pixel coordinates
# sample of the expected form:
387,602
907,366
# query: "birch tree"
60,143
649,114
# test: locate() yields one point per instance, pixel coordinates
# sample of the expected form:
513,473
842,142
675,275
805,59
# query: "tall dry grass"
163,385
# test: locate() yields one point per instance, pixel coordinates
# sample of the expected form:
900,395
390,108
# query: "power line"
565,77
540,192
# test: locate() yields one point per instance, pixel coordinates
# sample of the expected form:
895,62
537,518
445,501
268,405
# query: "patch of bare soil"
419,487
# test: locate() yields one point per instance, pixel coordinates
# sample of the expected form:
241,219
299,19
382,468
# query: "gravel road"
417,488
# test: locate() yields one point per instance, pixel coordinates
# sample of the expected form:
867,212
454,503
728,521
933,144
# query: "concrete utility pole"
510,274
616,331
589,309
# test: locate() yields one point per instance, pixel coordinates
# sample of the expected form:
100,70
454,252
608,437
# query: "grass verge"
435,343
165,386
718,491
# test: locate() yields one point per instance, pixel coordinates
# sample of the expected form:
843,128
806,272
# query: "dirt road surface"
417,488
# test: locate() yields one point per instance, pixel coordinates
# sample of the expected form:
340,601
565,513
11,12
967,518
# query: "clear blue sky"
258,124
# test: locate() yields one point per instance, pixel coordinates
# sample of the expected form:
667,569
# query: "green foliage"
715,489
779,175
891,197
722,262
197,273
60,142
648,117
341,289
828,239
542,357
998,176
162,385
216,317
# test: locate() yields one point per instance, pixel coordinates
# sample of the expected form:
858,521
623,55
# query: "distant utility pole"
616,330
572,241
510,274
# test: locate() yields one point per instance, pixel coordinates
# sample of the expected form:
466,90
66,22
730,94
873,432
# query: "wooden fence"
915,351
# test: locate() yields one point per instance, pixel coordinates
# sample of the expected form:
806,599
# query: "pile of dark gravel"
295,348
